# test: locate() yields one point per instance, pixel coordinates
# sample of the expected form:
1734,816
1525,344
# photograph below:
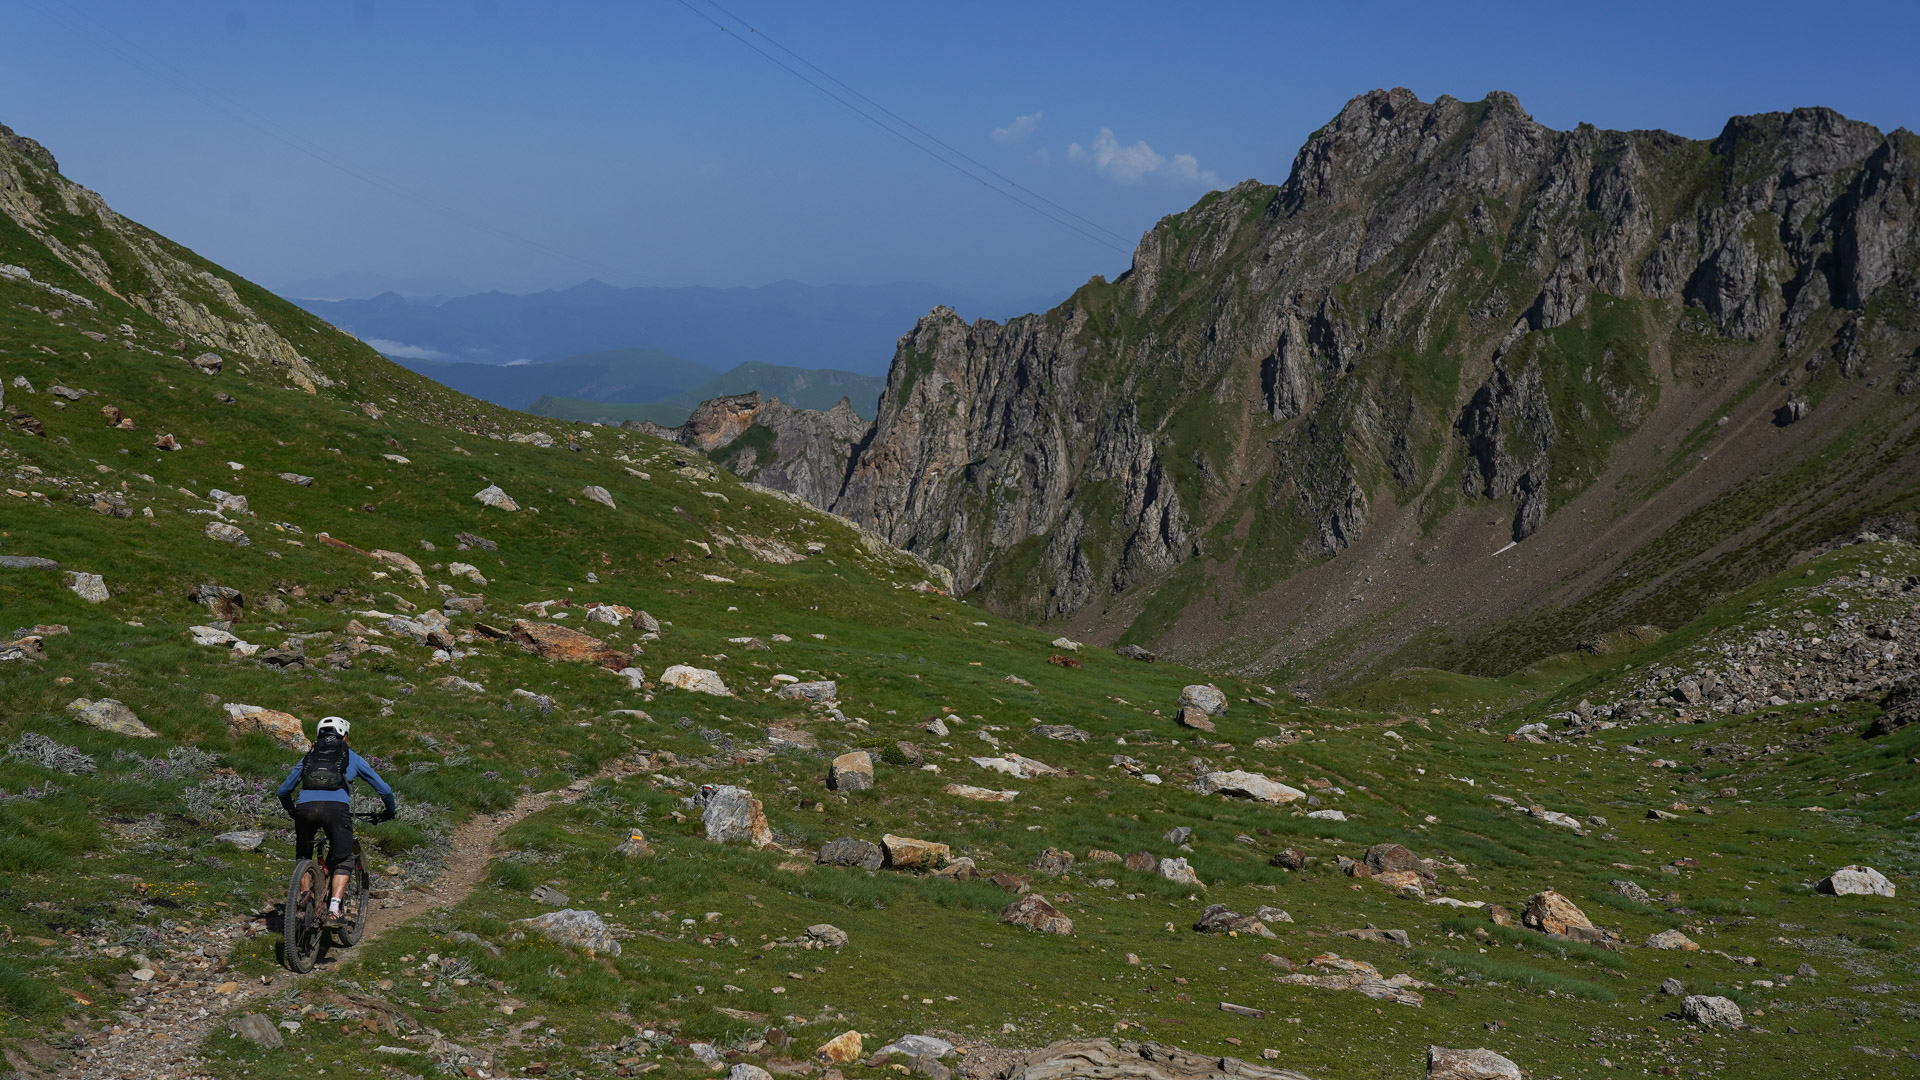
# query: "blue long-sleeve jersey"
357,769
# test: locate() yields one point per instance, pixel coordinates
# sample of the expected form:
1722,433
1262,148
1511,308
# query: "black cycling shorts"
312,817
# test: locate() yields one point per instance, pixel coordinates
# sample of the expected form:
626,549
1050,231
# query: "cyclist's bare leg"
339,886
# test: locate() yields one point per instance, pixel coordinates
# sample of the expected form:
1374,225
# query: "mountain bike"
303,925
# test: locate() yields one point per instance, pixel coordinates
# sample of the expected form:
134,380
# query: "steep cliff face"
1309,414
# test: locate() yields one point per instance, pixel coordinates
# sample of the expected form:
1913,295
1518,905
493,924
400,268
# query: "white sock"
333,905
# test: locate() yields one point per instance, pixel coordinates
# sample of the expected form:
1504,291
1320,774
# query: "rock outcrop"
1450,328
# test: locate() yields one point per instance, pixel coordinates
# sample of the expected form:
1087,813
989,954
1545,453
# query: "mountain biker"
325,778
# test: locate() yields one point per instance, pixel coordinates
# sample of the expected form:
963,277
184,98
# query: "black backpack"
325,766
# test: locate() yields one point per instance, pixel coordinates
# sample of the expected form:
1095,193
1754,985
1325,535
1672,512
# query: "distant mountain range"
846,327
644,384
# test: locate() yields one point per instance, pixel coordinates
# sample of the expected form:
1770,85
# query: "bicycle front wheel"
355,904
300,924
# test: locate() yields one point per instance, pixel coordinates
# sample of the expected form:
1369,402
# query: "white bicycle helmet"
336,725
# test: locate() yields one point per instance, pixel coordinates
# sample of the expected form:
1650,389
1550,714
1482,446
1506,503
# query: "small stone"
282,728
244,839
296,479
1289,859
596,493
1194,718
1552,913
550,896
227,534
1216,919
1141,862
207,362
1247,785
1631,890
744,1071
1672,987
1053,862
1135,652
635,846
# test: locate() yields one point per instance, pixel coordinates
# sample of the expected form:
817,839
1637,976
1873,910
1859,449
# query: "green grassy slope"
122,856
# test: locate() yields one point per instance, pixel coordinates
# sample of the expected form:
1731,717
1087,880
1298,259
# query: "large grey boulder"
491,495
1855,880
822,691
1712,1011
1245,785
1081,1058
27,562
576,929
851,772
733,814
1204,696
1479,1064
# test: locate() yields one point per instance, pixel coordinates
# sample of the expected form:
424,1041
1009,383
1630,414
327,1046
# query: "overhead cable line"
889,129
1009,181
105,38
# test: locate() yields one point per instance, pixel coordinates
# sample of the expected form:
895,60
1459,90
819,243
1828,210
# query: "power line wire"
903,137
963,155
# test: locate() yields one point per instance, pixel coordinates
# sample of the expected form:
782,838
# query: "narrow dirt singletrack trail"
162,1023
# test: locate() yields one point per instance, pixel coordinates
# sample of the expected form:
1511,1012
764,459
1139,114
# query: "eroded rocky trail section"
183,991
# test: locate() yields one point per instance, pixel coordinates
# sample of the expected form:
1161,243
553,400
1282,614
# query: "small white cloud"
1131,164
403,350
1019,129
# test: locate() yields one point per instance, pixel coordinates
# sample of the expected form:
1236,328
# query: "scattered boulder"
1271,914
1246,785
1389,858
244,839
1177,870
827,935
1289,859
733,814
562,643
1328,815
851,772
1378,936
109,715
1673,987
822,690
744,1071
296,479
1672,939
980,794
695,680
1066,643
1053,862
1216,919
840,1049
258,1030
88,587
906,853
1142,862
1901,707
582,930
596,493
225,603
1203,696
227,534
491,495
914,1046
1033,912
1855,880
1193,718
1445,1064
1631,890
1552,913
207,362
1710,1011
1135,652
1061,732
550,896
635,846
27,562
1178,835
469,540
283,728
1080,1058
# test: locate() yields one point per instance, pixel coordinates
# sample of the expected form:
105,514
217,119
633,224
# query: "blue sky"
635,143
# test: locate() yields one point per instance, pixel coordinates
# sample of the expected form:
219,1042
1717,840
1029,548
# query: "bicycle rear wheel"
300,922
355,903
